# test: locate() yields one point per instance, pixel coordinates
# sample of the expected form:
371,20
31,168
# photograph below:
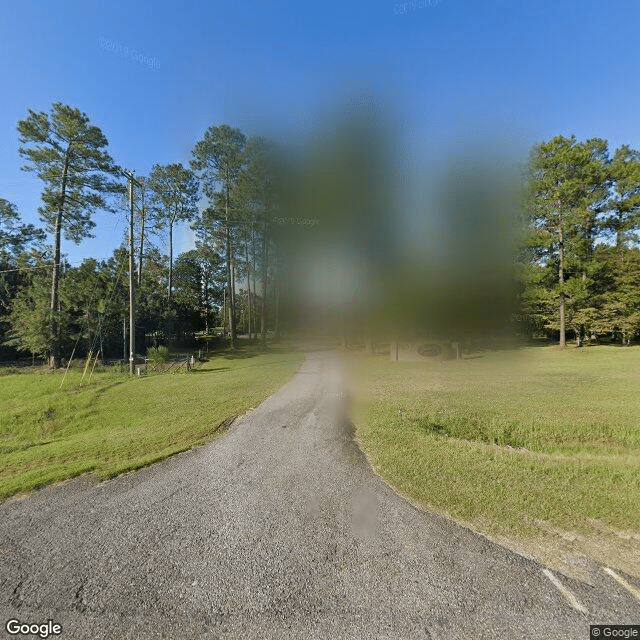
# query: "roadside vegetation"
506,441
548,248
114,424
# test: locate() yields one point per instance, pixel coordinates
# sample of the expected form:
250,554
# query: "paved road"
279,529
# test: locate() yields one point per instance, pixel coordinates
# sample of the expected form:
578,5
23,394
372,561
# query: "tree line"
579,256
47,306
576,257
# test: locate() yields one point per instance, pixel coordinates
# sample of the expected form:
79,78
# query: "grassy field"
114,424
507,440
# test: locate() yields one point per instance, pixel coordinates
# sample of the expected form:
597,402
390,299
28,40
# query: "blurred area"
359,260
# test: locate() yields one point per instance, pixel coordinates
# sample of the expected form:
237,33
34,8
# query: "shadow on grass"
243,352
209,370
238,354
107,387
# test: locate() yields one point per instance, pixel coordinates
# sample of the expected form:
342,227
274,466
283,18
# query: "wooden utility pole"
132,310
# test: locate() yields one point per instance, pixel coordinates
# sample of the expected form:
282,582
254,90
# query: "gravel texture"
278,529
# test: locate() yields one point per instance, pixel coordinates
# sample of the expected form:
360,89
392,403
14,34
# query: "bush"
158,354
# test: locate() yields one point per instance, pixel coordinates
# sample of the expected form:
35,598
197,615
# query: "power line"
49,265
84,325
44,266
107,306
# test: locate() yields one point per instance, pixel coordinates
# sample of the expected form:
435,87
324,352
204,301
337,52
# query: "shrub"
158,354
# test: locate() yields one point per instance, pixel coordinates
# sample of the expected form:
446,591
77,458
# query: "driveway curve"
279,529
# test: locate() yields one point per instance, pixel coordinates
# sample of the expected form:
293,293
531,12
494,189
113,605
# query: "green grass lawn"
113,423
504,438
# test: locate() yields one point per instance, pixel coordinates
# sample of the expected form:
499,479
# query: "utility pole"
132,311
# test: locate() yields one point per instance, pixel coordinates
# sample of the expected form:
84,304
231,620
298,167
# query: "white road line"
629,587
565,592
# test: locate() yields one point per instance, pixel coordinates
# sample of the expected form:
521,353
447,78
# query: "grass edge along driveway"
115,424
538,448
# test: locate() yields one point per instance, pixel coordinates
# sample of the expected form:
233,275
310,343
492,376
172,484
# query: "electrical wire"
115,288
44,266
85,324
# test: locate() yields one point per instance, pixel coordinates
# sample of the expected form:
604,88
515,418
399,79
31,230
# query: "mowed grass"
504,438
114,424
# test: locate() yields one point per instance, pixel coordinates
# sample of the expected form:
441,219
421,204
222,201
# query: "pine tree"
69,155
173,191
218,159
566,183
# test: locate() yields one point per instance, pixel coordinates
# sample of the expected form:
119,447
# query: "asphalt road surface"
278,529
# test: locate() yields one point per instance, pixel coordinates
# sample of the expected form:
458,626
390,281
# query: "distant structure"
420,350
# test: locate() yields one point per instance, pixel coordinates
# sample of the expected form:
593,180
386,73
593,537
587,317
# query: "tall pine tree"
69,155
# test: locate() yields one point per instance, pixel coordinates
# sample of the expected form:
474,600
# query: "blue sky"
154,76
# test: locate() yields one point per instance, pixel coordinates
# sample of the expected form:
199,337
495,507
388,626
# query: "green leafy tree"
566,181
211,254
112,303
30,317
14,236
256,193
69,155
623,207
173,193
196,287
614,311
218,158
153,310
20,249
87,293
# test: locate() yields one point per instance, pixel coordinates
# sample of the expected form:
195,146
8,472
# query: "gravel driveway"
278,529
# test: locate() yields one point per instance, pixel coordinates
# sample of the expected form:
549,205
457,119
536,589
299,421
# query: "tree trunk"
248,268
54,360
234,300
276,316
561,281
205,295
263,318
224,311
170,261
619,233
276,313
233,295
253,259
141,246
232,326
